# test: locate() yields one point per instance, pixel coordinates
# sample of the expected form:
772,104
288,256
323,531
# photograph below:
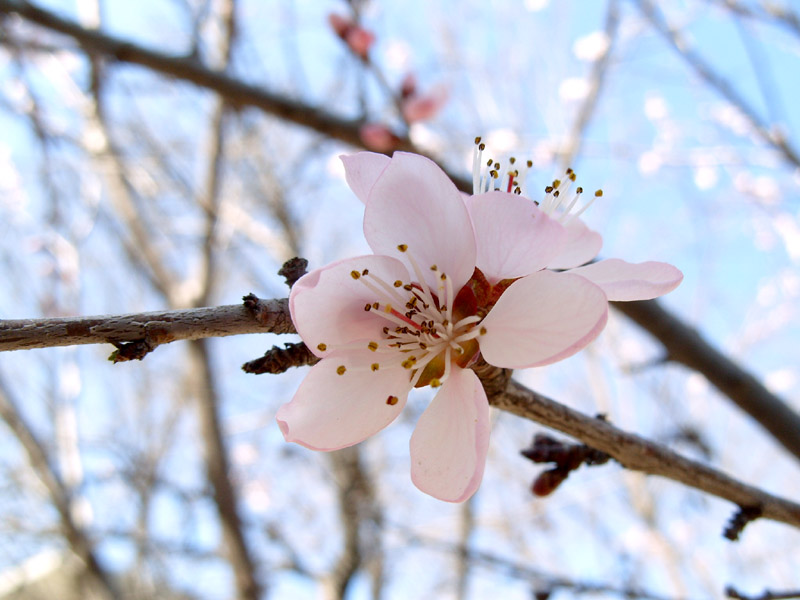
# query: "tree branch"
155,328
631,451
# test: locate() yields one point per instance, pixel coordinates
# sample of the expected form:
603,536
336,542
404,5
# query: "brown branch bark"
158,327
631,451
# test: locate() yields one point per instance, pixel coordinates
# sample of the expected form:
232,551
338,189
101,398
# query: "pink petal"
327,305
359,40
541,319
421,107
414,203
332,411
361,170
622,280
581,246
513,236
449,444
339,24
378,137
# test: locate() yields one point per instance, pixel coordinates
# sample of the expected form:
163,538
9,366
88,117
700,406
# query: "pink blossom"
420,107
358,39
378,137
451,279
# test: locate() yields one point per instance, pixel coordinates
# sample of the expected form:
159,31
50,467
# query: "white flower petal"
327,305
414,203
513,236
362,170
581,246
621,280
450,442
541,319
332,411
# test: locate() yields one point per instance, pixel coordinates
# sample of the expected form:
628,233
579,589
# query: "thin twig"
77,539
764,130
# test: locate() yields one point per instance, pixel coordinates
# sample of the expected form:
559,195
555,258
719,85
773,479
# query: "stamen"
392,400
322,347
340,370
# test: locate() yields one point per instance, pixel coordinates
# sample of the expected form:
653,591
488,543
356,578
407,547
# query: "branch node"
737,523
135,350
278,360
293,269
566,457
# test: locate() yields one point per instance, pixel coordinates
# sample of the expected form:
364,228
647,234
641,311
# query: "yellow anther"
322,347
392,400
483,330
340,370
435,382
402,247
373,346
478,140
579,190
398,283
375,366
355,274
598,193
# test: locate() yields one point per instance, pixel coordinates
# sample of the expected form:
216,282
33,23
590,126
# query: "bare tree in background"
158,162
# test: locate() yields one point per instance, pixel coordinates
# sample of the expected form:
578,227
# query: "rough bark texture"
159,327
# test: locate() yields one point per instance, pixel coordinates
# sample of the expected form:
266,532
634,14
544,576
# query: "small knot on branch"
740,520
278,360
566,457
293,269
126,351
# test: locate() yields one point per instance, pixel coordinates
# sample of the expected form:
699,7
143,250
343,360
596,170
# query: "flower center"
421,330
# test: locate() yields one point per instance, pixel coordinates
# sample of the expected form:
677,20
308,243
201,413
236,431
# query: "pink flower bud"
378,138
408,87
358,39
421,107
